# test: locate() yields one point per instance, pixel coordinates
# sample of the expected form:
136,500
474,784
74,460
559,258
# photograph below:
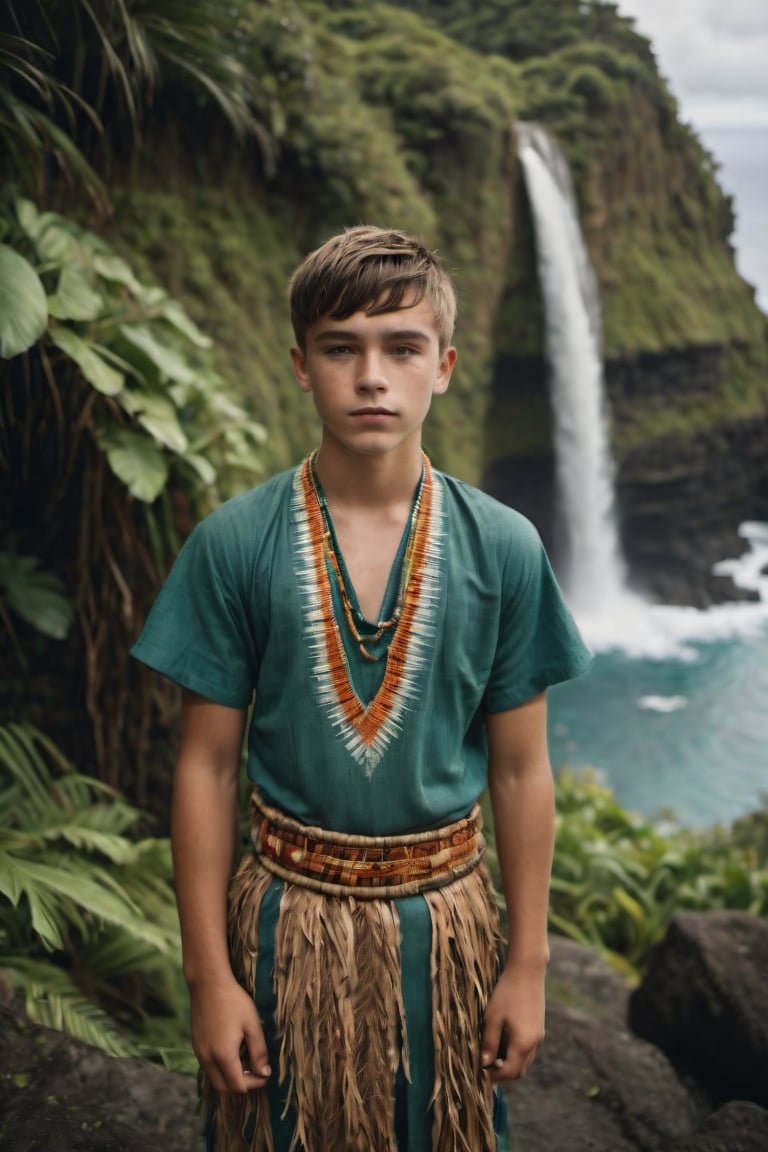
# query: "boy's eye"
403,351
339,350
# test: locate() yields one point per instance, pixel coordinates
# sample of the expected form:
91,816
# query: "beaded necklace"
367,728
354,617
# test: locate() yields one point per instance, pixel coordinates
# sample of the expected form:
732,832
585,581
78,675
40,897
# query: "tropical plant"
74,72
618,877
88,926
33,107
116,435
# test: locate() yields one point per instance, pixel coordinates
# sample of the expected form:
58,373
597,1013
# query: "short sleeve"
198,632
538,643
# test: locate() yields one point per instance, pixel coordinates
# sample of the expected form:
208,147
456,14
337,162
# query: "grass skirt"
340,1017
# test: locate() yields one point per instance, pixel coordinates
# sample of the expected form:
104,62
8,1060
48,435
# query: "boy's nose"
371,374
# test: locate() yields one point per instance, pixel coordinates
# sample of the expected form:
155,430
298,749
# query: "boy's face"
372,378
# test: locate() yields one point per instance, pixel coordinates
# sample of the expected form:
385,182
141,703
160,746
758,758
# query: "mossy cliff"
404,115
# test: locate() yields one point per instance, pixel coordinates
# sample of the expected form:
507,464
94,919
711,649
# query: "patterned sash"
367,867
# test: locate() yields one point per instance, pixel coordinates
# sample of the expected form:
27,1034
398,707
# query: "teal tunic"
232,619
239,616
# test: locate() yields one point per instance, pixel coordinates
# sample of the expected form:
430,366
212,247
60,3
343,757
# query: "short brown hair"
367,269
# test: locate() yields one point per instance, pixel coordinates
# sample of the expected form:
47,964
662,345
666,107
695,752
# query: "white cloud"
712,52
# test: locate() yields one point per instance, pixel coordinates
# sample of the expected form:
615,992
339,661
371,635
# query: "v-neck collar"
366,730
392,588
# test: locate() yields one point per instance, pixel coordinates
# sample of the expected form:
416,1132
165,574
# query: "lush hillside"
404,115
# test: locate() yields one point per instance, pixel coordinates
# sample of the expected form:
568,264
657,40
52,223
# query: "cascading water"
673,712
591,566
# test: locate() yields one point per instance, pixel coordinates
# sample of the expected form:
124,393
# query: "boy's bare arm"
204,840
522,798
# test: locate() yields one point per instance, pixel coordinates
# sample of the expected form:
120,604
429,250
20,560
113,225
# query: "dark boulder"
596,1088
704,1001
736,1127
58,1095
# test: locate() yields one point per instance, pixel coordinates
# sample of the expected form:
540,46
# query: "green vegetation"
120,425
406,117
88,923
618,878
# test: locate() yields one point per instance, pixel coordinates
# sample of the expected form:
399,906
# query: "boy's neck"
362,480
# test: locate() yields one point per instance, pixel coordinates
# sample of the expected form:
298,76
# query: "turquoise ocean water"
674,714
691,736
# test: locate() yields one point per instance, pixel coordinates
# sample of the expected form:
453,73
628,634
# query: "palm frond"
54,1000
150,44
74,885
32,98
117,953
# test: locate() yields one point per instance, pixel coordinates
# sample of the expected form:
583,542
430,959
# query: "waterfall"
590,564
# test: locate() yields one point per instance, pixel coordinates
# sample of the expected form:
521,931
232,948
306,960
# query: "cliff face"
406,118
680,496
686,354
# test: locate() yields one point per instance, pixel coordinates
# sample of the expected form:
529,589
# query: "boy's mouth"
370,410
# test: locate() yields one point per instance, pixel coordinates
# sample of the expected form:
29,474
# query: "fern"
87,915
53,999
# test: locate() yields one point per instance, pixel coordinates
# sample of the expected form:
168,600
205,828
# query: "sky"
714,56
713,53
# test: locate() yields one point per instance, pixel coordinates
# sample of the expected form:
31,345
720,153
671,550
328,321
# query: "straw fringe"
466,943
341,1018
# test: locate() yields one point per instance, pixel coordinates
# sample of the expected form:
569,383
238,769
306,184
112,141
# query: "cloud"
713,54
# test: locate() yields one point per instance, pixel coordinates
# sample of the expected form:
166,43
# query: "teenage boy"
399,630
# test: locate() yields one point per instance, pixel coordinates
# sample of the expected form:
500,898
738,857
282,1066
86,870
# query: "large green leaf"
157,414
54,241
97,372
137,461
21,758
175,315
203,467
23,306
75,298
38,597
116,269
167,361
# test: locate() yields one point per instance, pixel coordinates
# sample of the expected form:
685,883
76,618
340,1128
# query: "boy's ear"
299,361
444,370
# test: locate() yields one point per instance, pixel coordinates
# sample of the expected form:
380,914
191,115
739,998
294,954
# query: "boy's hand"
514,1025
227,1037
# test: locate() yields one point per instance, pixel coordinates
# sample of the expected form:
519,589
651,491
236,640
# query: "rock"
59,1095
704,1002
579,977
594,1088
737,1127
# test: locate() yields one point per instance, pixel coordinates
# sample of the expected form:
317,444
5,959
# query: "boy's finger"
490,1053
254,1056
232,1076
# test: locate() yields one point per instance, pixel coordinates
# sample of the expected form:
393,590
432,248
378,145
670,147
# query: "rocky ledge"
680,496
679,1064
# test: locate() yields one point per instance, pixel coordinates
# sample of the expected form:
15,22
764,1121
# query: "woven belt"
368,867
